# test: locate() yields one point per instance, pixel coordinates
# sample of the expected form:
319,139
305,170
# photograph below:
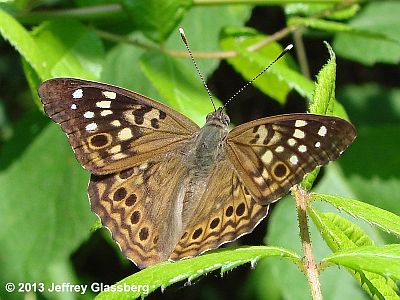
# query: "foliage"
44,213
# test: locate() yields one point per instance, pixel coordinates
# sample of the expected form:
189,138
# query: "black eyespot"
197,233
280,170
143,233
240,209
135,217
229,211
131,200
119,194
214,223
99,140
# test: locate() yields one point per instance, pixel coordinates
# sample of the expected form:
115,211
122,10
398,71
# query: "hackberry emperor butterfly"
167,189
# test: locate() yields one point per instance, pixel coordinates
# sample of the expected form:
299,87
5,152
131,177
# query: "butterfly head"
218,118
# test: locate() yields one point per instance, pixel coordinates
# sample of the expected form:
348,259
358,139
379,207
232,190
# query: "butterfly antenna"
259,74
185,41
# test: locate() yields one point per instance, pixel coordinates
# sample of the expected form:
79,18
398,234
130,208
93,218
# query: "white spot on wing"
294,160
77,94
88,114
115,149
291,142
300,123
116,123
73,106
103,104
143,166
322,131
125,134
91,127
109,95
105,112
299,134
317,144
120,155
266,158
279,149
259,180
302,148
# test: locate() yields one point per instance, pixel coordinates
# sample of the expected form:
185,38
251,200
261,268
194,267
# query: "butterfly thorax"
207,146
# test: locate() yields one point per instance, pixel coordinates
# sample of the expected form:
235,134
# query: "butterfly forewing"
111,128
273,154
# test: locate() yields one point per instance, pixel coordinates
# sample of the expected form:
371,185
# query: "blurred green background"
45,218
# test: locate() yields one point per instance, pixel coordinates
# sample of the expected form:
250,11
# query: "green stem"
122,39
81,13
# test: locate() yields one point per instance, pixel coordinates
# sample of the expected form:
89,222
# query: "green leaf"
165,274
279,78
178,85
372,166
309,179
122,68
323,102
156,19
283,231
342,234
197,26
44,212
337,232
383,219
383,260
381,18
70,49
59,48
22,41
371,105
324,93
33,81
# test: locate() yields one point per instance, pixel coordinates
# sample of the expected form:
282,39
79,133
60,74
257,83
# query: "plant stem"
80,13
309,264
258,2
198,54
301,52
122,39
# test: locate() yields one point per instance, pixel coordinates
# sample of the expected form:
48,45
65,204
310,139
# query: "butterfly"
167,189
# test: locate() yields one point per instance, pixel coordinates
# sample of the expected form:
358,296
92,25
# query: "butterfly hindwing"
273,154
226,212
153,214
140,207
110,128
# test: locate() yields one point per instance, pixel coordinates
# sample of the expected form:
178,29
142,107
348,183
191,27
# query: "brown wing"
141,208
273,154
147,213
225,212
111,128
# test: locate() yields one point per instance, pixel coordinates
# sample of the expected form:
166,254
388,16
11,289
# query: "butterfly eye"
210,116
225,119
